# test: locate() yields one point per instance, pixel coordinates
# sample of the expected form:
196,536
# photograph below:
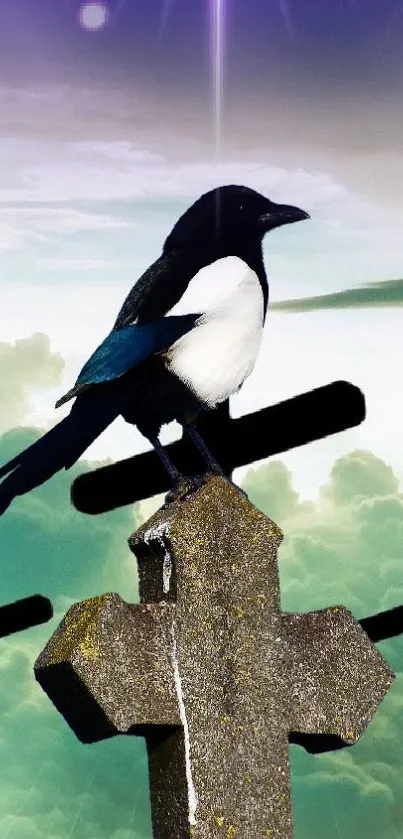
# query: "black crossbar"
24,613
234,442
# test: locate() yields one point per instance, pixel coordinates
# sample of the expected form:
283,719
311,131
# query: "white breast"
220,352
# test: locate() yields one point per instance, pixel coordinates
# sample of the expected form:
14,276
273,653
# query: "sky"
106,136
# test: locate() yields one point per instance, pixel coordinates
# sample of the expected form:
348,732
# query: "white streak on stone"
157,534
166,572
192,795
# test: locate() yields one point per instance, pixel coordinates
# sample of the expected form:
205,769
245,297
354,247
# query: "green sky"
344,547
105,138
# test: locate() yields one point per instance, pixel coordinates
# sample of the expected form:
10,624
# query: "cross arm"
108,668
336,677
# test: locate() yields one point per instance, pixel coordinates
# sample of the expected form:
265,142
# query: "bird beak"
281,214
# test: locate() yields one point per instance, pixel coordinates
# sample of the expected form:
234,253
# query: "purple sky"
335,66
313,82
104,139
280,44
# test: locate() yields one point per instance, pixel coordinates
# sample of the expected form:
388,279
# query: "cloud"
270,488
26,366
344,548
359,475
79,162
68,170
364,153
50,784
55,111
67,186
74,264
23,225
383,293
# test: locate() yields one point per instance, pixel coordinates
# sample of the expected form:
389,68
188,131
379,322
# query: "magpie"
166,357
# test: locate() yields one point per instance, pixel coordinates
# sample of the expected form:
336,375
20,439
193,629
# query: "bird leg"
173,472
212,463
183,485
204,451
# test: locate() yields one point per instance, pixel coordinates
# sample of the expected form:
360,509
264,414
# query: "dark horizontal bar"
24,613
311,416
316,744
235,442
384,625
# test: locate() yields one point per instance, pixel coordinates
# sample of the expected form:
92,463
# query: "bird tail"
60,447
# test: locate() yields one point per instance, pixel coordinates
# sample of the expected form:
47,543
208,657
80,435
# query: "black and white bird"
163,361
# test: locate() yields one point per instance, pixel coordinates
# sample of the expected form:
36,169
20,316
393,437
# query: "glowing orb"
93,16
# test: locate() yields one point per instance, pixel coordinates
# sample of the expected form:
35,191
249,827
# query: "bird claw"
187,485
242,491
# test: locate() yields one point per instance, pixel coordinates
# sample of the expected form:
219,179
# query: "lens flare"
93,16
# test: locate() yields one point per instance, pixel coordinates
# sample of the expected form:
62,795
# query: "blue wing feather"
124,348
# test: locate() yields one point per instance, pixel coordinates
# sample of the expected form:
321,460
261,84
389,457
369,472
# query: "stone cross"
211,671
234,442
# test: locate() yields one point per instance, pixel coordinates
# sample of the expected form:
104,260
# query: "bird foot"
215,469
242,491
188,484
185,487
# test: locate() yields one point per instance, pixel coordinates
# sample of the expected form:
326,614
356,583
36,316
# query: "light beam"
217,53
166,9
217,59
285,10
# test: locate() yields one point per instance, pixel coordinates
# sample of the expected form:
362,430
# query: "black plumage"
154,367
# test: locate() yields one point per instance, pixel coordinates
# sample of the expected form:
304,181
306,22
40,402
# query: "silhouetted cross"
25,613
234,442
211,671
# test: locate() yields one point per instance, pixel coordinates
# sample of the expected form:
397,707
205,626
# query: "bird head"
228,215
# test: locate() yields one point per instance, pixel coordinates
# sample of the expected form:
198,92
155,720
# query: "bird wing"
158,289
124,348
